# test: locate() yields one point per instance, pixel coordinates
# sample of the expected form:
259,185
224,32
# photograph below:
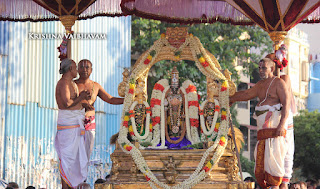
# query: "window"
304,71
243,104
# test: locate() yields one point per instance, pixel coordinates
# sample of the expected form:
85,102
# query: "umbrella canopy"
65,11
275,15
278,17
46,10
61,8
185,11
239,12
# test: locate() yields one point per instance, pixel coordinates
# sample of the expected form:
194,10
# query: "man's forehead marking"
85,62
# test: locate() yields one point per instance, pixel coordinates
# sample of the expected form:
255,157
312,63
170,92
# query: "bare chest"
90,87
267,94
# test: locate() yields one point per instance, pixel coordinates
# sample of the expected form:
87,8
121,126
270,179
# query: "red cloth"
89,123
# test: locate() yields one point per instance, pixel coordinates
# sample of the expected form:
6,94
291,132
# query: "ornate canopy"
240,12
45,10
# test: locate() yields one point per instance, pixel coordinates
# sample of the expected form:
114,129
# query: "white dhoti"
288,160
270,150
70,146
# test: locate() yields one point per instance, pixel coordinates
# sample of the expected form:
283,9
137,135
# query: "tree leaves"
307,143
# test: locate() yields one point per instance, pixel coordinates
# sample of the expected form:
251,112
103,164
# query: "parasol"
277,17
48,10
274,16
65,11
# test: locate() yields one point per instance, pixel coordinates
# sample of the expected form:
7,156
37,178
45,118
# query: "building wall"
298,67
28,111
314,85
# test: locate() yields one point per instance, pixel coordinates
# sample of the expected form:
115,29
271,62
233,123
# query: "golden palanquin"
174,166
133,166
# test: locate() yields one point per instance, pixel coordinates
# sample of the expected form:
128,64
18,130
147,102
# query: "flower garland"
156,100
162,120
219,145
191,109
214,121
280,55
148,128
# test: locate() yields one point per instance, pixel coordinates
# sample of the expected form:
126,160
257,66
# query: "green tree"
307,144
222,40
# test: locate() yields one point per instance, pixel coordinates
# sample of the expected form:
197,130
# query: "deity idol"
211,103
140,113
175,110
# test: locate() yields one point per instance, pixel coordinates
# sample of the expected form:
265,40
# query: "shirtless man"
85,84
288,161
68,142
271,114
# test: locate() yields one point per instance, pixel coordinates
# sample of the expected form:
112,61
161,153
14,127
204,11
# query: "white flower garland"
162,120
214,121
187,119
156,110
147,125
219,144
192,111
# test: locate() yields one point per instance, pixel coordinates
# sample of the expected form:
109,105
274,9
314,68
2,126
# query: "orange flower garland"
191,88
223,114
132,86
208,166
216,127
126,146
158,86
149,57
224,85
202,60
222,141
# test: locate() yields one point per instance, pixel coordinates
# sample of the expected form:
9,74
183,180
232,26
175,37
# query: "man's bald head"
268,62
266,68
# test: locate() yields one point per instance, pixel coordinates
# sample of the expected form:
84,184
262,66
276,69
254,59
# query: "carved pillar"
122,86
232,164
115,168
